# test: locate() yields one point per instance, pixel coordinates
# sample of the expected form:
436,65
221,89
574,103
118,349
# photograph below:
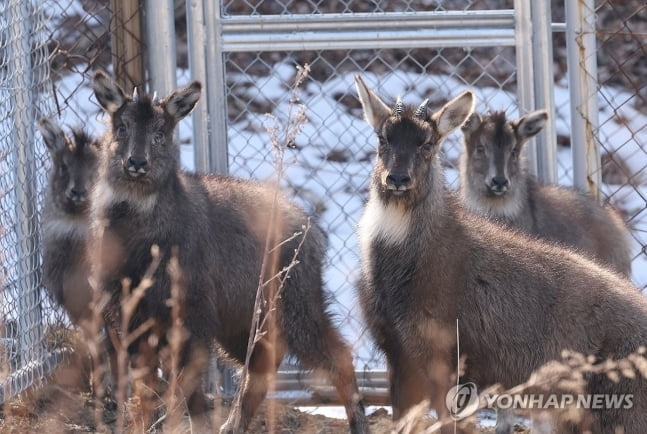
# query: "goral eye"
480,149
158,137
382,141
427,146
122,131
514,153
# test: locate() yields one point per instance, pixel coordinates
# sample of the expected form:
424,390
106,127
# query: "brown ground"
52,409
66,405
74,414
20,417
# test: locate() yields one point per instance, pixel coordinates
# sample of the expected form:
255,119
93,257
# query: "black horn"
421,111
398,109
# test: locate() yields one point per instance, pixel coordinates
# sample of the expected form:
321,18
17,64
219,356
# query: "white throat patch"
62,228
507,207
389,223
106,196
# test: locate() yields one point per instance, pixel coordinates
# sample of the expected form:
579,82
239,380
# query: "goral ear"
375,110
84,140
531,124
181,101
108,93
472,123
454,114
52,135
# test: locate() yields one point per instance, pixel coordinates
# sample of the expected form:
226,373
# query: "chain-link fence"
417,48
47,52
622,124
617,69
333,156
25,352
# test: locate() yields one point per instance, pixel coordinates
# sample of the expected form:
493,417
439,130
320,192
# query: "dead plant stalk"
281,138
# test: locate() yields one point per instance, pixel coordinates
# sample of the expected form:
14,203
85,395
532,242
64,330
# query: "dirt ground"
52,409
66,405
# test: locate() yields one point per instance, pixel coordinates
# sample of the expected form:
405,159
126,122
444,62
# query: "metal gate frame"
527,27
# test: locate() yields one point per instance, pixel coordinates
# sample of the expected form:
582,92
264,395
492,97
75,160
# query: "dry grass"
33,413
67,404
269,289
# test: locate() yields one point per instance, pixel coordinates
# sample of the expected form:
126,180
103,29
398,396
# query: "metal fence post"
525,71
196,29
160,41
217,100
542,53
210,120
207,65
27,248
218,146
582,84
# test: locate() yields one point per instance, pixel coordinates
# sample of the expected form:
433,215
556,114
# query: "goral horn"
421,111
398,109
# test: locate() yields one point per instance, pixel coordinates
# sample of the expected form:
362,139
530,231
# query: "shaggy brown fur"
495,184
66,217
428,266
218,226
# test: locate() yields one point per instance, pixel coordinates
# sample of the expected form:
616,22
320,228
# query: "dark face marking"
493,150
406,146
408,143
74,173
142,155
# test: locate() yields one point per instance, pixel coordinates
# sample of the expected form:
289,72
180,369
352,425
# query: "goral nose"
77,194
398,180
499,182
137,165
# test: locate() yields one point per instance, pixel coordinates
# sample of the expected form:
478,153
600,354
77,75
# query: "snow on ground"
485,418
335,412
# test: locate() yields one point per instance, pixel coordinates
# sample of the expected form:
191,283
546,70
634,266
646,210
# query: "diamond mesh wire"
79,42
287,7
24,347
622,130
48,51
621,133
334,153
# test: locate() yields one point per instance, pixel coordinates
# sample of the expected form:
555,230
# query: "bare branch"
281,139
